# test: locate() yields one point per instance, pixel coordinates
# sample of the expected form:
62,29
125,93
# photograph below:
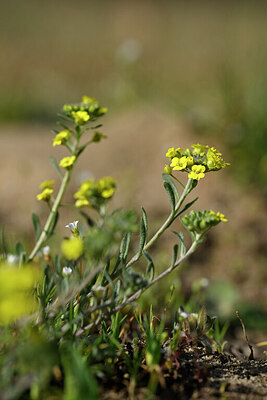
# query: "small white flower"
46,250
72,225
98,288
12,259
183,314
66,271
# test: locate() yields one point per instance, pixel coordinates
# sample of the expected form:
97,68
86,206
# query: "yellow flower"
171,152
67,162
16,285
80,117
47,184
189,161
72,248
214,160
102,110
61,138
45,195
179,163
82,203
197,172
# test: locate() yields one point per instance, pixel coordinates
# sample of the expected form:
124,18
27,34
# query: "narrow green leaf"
81,149
143,235
169,180
19,249
36,226
150,271
53,161
186,207
106,269
144,216
171,195
88,219
51,230
124,248
175,254
182,247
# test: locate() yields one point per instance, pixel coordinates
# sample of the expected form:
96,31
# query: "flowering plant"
79,291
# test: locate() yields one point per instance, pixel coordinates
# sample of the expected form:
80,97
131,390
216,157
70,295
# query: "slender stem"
135,295
166,224
51,216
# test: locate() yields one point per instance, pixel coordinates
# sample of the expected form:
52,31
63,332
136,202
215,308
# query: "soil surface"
201,376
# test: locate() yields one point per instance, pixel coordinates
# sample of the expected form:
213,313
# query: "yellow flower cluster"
81,113
200,221
93,193
196,161
45,195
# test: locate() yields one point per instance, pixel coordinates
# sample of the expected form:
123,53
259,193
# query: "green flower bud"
167,169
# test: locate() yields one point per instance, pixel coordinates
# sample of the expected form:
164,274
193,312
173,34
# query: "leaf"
53,161
19,249
171,195
106,269
144,216
36,226
124,248
81,149
150,270
54,223
182,247
169,180
143,232
88,219
175,253
186,207
202,320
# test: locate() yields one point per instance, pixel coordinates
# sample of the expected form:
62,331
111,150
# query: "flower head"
80,117
66,271
45,195
67,162
197,172
61,138
73,226
214,160
46,184
179,163
72,248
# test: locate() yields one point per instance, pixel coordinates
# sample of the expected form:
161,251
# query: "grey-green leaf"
36,226
169,180
55,164
171,195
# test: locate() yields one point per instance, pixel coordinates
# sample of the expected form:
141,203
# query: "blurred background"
171,73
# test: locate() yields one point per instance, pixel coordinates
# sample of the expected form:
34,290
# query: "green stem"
166,224
51,216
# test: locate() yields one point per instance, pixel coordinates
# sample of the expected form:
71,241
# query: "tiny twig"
251,356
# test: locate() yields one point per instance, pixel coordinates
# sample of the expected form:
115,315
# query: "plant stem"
51,216
166,224
135,295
